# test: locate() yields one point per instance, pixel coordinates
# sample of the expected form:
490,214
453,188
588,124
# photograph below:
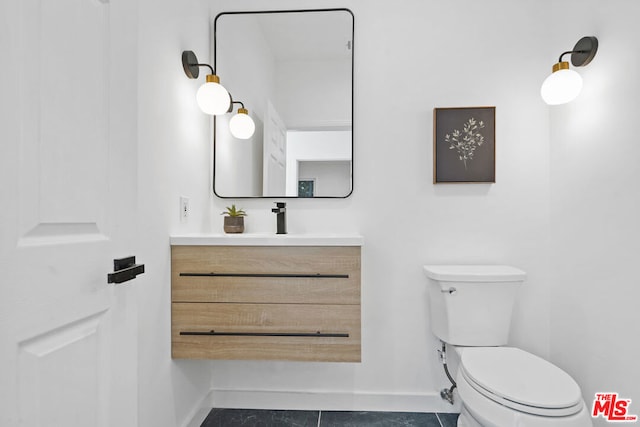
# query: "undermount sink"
266,239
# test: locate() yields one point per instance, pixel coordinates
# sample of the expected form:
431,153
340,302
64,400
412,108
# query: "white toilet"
470,309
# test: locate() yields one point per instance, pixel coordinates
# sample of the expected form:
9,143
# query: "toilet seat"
521,381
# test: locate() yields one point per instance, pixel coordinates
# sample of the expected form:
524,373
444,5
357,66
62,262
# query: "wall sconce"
215,100
241,124
212,97
564,85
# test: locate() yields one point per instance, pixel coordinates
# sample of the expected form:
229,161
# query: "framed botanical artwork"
464,145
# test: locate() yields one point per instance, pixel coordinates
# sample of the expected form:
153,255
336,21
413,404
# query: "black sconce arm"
583,52
191,66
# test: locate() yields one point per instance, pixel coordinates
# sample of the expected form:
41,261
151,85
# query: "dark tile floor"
271,418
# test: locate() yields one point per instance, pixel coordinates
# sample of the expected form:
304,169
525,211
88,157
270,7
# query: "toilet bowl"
506,386
498,386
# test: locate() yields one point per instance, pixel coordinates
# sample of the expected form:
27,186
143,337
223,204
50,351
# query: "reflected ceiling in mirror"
293,71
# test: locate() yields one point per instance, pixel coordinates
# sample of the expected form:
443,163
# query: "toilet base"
466,419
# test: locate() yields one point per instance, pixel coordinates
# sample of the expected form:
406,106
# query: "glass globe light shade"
241,125
562,86
212,97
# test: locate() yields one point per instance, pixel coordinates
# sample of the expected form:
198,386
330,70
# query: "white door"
274,154
68,135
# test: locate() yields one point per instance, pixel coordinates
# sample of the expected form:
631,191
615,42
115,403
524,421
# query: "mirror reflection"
293,72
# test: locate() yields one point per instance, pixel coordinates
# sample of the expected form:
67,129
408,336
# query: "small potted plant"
234,219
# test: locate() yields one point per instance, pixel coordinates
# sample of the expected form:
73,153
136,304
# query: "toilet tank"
471,305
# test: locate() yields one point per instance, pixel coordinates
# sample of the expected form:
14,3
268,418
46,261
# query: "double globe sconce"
564,84
215,100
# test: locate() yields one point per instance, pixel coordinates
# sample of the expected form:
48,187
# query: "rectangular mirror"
293,71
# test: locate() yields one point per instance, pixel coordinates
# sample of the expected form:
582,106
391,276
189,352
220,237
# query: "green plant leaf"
233,211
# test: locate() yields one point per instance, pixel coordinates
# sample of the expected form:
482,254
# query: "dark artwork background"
447,164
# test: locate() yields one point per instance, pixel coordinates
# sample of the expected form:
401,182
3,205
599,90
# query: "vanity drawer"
267,290
266,274
303,332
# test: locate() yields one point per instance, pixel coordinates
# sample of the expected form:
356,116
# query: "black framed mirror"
293,71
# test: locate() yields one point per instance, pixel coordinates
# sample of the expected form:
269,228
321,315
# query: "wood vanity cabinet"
266,302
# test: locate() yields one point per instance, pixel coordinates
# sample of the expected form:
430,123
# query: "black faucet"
280,210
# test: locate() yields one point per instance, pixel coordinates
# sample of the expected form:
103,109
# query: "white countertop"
267,239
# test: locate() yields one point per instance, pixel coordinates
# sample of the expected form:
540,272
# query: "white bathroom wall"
412,56
174,160
595,200
330,178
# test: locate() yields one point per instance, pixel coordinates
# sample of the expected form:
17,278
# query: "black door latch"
124,269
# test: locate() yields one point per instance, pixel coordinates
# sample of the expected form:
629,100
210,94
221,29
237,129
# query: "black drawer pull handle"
269,334
296,275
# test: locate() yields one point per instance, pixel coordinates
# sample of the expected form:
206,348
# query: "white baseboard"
199,412
326,400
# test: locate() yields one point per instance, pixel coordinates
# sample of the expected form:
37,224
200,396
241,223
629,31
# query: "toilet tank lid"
474,273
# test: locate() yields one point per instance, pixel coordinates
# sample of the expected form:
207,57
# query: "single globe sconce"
212,97
241,124
564,84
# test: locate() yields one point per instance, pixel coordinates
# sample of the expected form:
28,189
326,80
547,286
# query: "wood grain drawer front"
303,332
318,275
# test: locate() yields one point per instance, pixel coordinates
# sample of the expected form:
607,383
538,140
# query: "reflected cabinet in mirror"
293,71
